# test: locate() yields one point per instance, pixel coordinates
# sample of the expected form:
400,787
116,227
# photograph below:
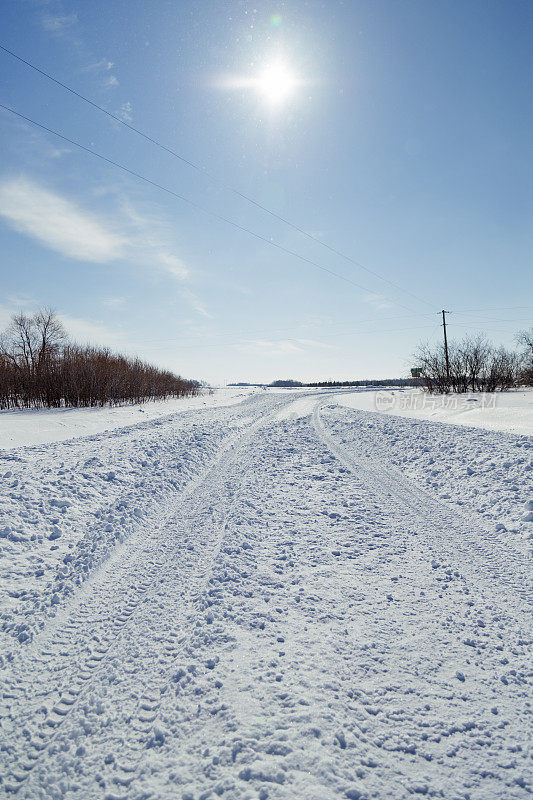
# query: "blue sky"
403,141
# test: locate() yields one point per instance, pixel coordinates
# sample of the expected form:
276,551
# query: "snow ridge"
296,613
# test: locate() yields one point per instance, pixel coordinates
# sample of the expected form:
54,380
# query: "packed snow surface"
277,598
511,412
22,427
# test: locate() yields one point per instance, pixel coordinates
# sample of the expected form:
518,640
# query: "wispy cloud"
57,223
377,301
35,145
196,303
57,152
246,291
60,224
173,265
102,70
314,344
59,23
151,239
268,348
99,66
86,331
20,300
281,347
145,240
114,302
125,112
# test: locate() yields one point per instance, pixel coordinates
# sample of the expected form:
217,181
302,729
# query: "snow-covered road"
279,599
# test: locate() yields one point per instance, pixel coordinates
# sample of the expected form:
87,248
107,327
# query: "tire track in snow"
224,748
289,520
129,554
152,698
489,565
89,669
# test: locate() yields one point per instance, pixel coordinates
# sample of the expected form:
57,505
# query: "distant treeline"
370,383
40,368
291,384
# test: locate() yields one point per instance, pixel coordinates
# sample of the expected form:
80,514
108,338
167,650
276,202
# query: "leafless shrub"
474,365
40,368
524,340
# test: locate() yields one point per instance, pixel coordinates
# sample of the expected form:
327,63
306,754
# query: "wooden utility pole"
446,344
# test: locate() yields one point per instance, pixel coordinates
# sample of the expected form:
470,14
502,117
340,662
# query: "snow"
275,598
511,412
302,407
23,427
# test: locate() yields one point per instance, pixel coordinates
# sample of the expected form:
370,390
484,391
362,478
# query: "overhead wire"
211,177
284,332
303,339
494,308
477,326
215,179
481,319
193,204
305,335
298,340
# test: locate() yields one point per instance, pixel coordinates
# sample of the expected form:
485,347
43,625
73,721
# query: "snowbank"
254,602
65,506
511,412
31,427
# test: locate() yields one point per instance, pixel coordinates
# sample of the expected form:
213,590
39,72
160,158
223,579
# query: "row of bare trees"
40,368
525,342
475,365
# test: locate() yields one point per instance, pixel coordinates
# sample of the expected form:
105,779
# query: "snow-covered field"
20,428
274,597
511,412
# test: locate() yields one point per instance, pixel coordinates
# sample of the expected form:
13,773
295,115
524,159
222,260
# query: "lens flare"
277,82
275,20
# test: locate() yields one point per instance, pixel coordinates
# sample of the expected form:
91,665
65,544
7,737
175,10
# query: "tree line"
381,382
475,365
41,368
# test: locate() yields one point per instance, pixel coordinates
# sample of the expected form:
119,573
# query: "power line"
211,177
291,336
297,340
494,308
192,203
284,332
480,320
479,325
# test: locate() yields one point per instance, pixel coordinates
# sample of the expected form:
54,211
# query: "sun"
276,83
273,81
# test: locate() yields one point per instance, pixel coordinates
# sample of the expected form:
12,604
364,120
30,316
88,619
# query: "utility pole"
446,343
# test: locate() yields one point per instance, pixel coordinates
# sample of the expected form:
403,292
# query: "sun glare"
276,83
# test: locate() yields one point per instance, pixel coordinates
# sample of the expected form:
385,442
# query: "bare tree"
50,335
503,371
434,373
477,352
524,340
475,365
20,342
39,367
